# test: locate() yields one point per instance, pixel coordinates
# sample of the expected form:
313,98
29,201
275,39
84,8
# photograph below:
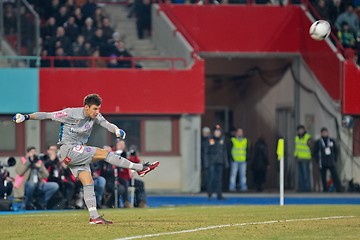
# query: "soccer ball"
320,30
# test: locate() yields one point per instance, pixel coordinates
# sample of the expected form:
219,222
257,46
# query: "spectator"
30,179
121,52
71,29
98,41
260,163
107,29
240,155
70,5
323,9
79,19
88,49
44,62
49,30
6,183
132,7
61,16
98,17
57,173
88,9
9,20
78,47
143,18
205,134
346,37
350,17
108,172
326,154
52,8
140,195
61,38
115,37
120,148
113,62
61,61
216,155
335,9
303,158
88,29
96,61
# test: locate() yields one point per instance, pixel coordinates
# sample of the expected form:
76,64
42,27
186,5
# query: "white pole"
282,181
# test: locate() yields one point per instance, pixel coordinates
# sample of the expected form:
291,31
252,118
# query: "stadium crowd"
80,28
77,29
44,182
344,18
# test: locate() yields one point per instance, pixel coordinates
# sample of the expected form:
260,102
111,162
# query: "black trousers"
259,179
140,195
214,180
334,177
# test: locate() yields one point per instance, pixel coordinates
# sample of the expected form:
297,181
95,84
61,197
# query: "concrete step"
144,48
147,52
150,65
127,27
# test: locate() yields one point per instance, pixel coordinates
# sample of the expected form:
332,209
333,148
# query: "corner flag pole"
280,153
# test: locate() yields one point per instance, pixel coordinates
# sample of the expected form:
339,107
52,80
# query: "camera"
34,160
9,163
132,150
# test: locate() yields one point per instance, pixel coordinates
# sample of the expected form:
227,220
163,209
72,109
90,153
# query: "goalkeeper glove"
18,118
120,133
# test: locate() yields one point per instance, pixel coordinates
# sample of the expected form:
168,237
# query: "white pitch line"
233,225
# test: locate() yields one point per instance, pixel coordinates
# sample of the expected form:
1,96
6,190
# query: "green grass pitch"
232,222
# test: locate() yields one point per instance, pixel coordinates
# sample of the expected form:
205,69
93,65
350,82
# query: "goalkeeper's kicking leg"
142,169
88,183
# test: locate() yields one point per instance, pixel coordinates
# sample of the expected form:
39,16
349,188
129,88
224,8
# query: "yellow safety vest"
302,149
239,149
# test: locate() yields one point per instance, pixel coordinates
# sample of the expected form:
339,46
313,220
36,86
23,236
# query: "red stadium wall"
234,28
129,91
252,28
351,87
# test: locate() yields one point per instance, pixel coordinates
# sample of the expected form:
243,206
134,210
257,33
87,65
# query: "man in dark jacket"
217,159
205,134
326,154
260,163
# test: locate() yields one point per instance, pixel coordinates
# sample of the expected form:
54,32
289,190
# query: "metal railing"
20,27
102,62
87,62
19,61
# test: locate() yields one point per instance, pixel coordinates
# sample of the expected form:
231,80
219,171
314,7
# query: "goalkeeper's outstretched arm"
18,118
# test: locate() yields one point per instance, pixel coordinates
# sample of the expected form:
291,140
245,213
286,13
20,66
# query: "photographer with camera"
6,182
59,174
126,174
30,179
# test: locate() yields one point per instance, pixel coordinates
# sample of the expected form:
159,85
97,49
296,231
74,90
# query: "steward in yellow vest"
302,154
239,149
302,148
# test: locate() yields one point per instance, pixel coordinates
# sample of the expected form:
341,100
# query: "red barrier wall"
252,28
129,91
234,28
351,87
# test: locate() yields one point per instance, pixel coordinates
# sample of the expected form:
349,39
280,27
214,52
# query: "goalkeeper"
75,130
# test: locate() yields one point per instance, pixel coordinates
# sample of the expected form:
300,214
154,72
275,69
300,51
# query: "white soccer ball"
320,30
